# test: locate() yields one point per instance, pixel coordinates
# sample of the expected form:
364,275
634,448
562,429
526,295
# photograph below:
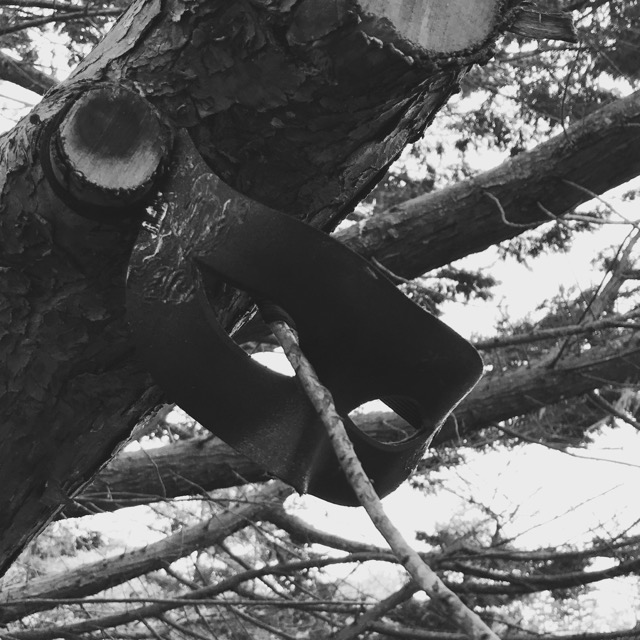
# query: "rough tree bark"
597,153
300,105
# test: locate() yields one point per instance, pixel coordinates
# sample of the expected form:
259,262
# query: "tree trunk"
300,106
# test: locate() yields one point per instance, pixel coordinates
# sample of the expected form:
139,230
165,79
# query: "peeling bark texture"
541,25
600,152
300,105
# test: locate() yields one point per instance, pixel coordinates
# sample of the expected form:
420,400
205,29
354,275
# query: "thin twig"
376,612
600,402
551,215
396,279
561,449
503,214
422,574
180,627
605,293
390,274
599,198
612,322
261,624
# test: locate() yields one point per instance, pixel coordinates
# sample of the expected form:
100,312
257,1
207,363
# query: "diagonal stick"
422,574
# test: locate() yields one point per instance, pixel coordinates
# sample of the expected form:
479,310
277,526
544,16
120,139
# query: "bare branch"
411,633
95,577
53,5
299,530
610,322
376,612
58,17
599,401
162,605
322,401
24,75
431,230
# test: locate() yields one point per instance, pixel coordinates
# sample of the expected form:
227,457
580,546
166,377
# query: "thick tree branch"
512,393
24,75
191,467
600,152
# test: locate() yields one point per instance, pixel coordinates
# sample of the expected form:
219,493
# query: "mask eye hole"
379,420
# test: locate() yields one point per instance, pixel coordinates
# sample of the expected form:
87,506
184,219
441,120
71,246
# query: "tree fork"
294,105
